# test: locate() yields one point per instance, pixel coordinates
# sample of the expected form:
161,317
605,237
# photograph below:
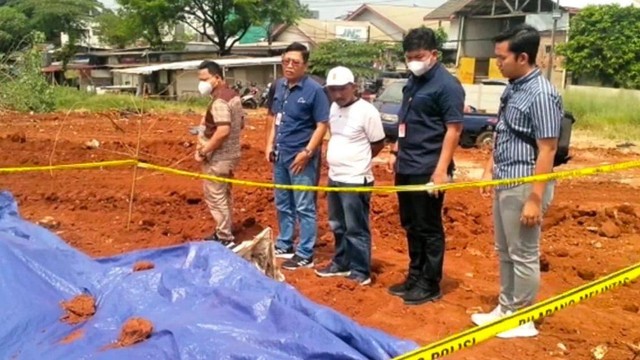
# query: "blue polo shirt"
302,107
429,103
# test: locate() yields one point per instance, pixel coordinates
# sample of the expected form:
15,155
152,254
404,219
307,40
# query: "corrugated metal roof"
484,7
447,9
193,64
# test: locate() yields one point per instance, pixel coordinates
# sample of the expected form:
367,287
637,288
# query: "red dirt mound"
133,331
79,309
143,265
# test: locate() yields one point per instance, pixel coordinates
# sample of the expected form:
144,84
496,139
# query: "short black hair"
212,67
296,46
421,38
523,39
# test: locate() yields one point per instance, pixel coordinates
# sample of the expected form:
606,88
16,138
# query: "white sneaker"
526,330
482,319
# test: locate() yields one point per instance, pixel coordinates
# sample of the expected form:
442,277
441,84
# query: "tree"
24,88
117,29
53,17
13,29
153,20
225,22
281,12
604,44
357,56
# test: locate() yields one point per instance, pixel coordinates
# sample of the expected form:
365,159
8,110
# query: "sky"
330,9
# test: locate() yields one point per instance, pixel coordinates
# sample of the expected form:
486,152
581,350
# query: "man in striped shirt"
530,109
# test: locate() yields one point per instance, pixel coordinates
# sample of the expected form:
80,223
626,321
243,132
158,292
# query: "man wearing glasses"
301,111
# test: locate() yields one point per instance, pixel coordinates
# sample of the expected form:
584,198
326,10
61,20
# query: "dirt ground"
591,230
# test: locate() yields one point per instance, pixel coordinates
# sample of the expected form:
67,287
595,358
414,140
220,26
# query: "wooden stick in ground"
55,141
135,174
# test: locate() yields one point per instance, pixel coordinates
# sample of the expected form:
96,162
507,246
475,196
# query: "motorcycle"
264,96
248,97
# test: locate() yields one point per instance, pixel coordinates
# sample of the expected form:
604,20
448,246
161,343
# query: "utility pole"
556,15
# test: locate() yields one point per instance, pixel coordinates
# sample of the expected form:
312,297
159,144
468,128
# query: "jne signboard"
351,33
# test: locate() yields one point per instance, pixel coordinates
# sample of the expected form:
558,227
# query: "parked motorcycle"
264,96
249,97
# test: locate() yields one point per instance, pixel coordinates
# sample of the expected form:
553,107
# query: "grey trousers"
518,246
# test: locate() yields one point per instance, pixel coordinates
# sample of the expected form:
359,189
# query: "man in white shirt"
357,137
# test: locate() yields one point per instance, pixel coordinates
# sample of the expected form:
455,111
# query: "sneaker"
297,262
485,318
284,254
402,288
360,279
332,270
526,330
226,243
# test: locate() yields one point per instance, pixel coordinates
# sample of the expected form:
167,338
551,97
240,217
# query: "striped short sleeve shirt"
532,106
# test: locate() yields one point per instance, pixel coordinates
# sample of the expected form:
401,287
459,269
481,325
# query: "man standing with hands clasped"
430,123
356,137
301,111
526,140
219,146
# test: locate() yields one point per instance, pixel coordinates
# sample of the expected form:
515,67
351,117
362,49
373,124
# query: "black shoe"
360,279
332,270
226,243
284,253
419,295
402,288
297,262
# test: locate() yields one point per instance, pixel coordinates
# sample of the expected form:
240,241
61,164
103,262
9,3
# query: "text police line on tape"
535,312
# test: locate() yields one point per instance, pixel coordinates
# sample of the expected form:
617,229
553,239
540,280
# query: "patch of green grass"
71,99
605,115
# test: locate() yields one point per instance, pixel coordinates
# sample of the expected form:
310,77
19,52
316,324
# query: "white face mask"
205,88
418,68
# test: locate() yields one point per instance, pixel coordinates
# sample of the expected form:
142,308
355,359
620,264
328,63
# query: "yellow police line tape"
93,165
545,308
381,189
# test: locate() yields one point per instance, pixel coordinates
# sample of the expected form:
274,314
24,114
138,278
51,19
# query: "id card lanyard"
402,126
280,114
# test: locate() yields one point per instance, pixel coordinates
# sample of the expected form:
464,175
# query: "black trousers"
421,218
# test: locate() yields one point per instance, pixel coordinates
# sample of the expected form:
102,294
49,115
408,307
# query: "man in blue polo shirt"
301,111
430,123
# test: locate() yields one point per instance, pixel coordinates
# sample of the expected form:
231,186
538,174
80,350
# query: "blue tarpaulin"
204,301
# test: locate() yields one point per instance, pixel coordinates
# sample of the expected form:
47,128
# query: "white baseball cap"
339,76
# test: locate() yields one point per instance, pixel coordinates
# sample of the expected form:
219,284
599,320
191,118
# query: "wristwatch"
394,153
307,151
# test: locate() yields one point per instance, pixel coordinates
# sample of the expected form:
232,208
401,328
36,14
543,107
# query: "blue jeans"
349,221
296,205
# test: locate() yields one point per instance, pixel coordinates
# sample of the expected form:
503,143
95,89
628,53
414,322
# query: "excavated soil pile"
79,309
609,222
133,331
143,265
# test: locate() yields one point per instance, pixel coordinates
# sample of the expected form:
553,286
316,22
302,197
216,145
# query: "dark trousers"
349,221
421,218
